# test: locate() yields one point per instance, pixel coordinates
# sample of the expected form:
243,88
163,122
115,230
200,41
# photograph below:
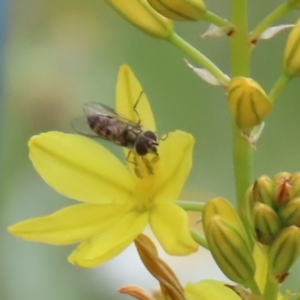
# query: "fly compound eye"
151,135
141,147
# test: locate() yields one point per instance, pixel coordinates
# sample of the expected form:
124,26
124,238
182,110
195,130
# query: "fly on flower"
103,122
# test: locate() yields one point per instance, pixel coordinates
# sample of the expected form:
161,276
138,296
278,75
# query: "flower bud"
262,190
228,240
170,285
248,103
230,250
290,213
267,223
283,190
284,251
180,10
142,15
221,207
295,4
295,182
291,60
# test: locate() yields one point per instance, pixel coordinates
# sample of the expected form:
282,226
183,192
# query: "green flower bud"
180,10
266,222
283,190
230,250
221,207
284,251
248,103
262,190
227,239
295,4
290,213
291,60
143,16
295,182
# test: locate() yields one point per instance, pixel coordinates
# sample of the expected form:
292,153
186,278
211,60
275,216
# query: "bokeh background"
58,54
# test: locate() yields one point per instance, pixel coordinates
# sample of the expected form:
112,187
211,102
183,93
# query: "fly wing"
94,108
81,126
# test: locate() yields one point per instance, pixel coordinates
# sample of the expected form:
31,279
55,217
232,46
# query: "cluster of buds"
275,215
228,240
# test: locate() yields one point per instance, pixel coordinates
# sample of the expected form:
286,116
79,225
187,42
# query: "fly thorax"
130,136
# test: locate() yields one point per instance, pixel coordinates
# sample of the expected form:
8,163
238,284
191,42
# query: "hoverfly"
103,122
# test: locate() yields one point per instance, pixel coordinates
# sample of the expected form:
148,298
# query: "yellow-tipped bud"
283,190
295,182
295,4
290,213
248,103
284,251
230,250
267,223
291,61
228,240
222,207
262,190
143,16
180,10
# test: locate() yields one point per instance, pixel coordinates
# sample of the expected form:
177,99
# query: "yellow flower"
117,204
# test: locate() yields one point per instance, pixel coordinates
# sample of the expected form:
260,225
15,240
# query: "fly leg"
164,137
148,165
135,106
135,163
145,160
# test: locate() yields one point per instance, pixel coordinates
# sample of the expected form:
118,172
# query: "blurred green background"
60,54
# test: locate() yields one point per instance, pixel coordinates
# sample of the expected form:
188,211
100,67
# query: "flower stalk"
268,21
184,46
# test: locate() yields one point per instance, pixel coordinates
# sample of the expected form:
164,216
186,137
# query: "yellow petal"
174,165
69,225
169,223
104,247
209,290
128,92
79,168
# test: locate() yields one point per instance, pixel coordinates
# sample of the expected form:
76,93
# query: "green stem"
271,289
180,43
190,206
240,62
276,14
199,239
240,47
215,19
280,84
253,287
